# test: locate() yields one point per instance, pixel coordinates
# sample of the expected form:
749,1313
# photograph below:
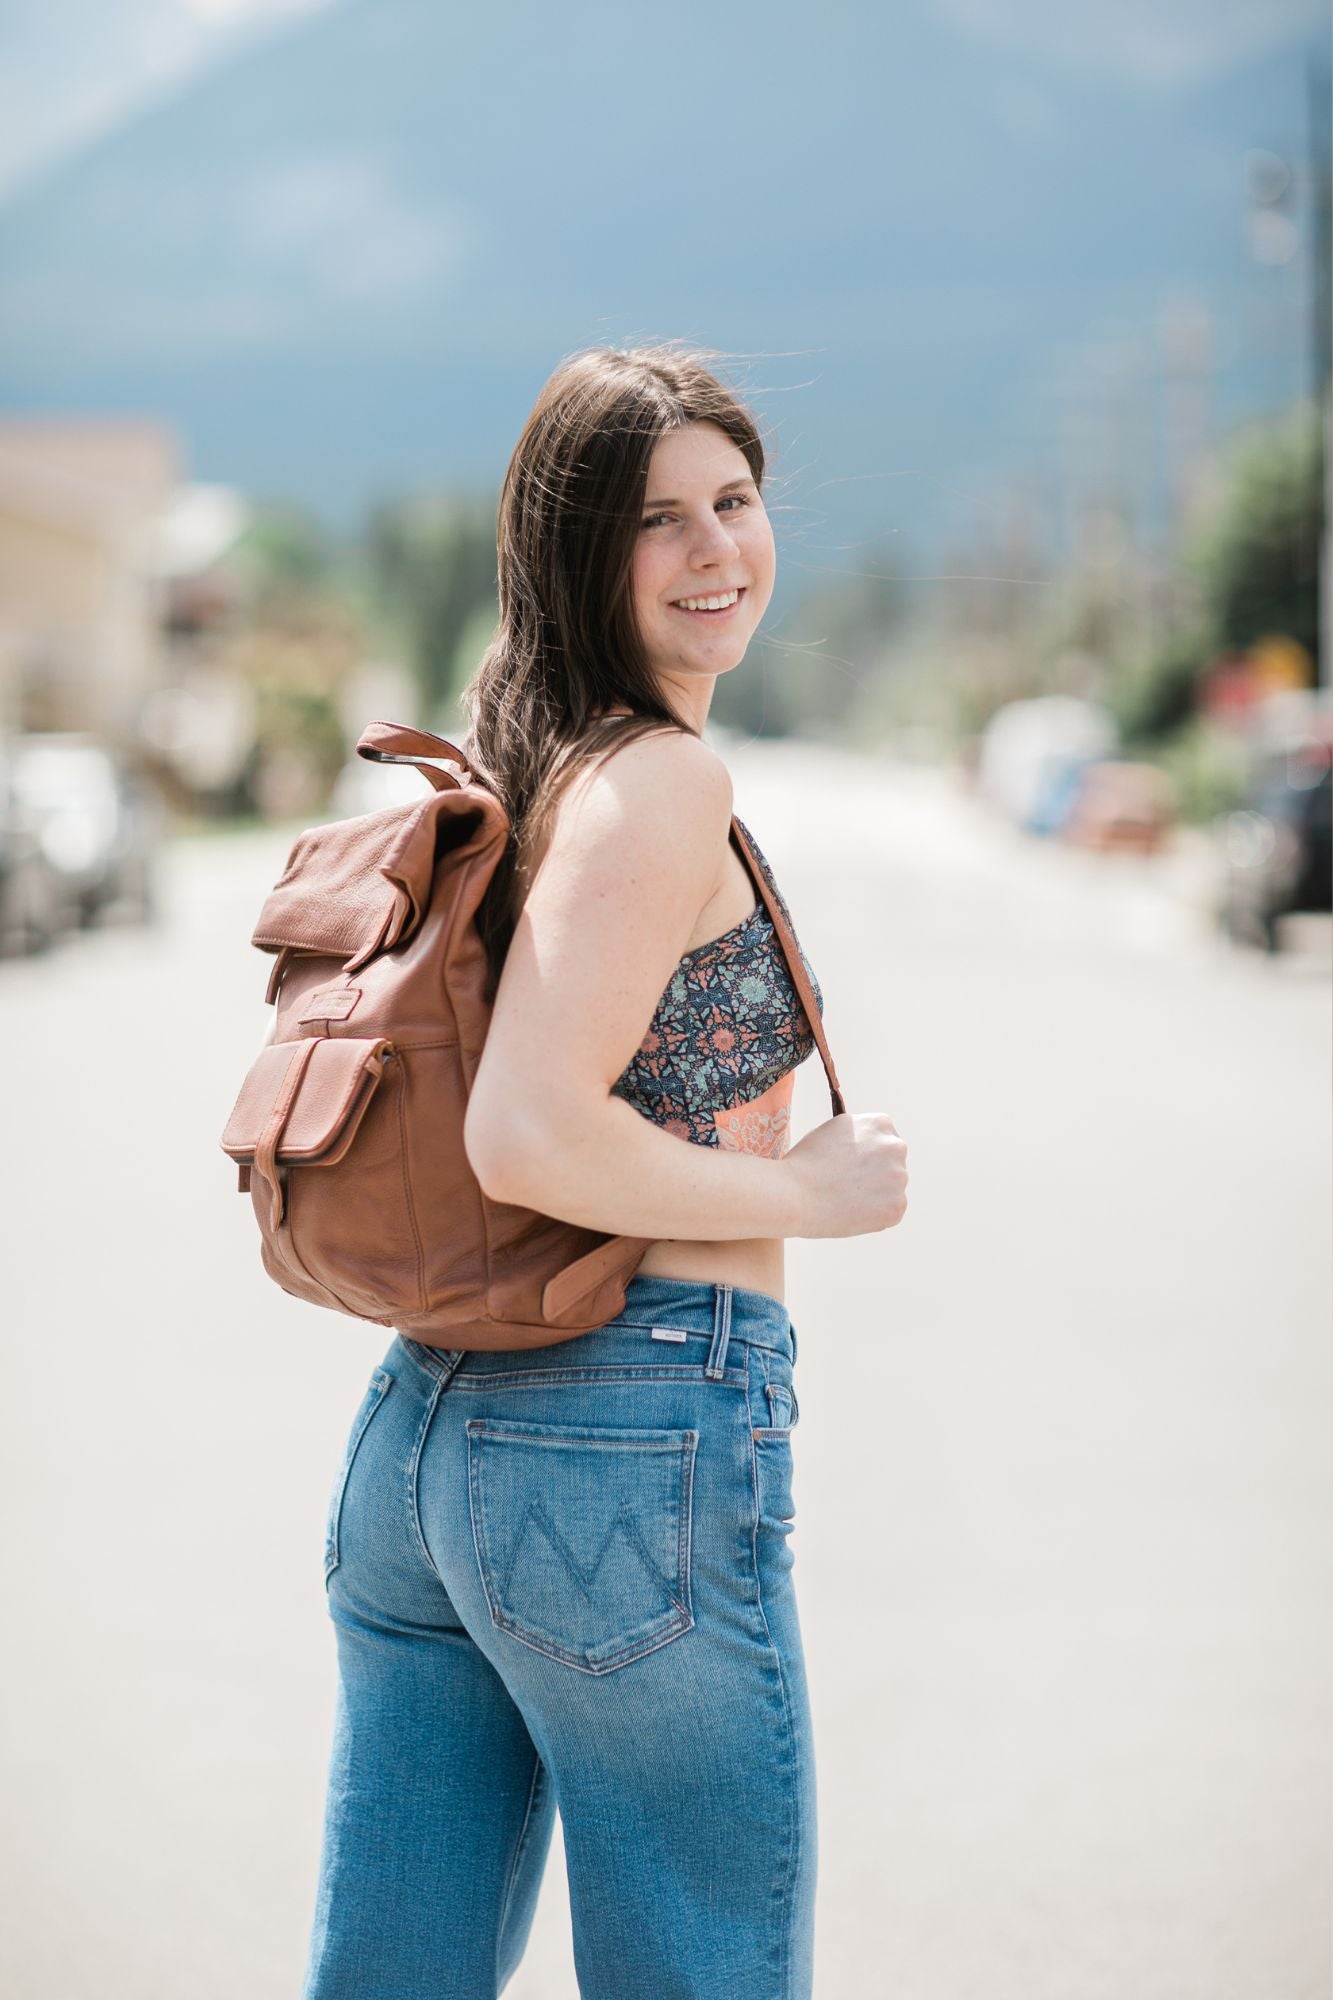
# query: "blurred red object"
1122,806
1231,688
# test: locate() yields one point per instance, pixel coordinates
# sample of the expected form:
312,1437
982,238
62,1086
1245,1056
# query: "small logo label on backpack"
330,1003
668,1333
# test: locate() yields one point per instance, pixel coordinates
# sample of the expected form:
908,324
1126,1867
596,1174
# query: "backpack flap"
302,1102
358,886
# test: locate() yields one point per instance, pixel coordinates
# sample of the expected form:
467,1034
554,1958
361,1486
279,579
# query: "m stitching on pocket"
375,1393
582,1537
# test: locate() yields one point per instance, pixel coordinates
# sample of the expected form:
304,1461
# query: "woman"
561,1575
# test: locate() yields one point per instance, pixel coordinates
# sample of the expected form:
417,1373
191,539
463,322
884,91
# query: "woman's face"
704,537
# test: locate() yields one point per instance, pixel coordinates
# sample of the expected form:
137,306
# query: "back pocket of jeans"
583,1537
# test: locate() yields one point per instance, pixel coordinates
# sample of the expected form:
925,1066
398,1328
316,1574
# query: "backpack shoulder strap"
792,953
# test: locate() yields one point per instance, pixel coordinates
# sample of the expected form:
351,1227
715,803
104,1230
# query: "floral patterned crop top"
717,1063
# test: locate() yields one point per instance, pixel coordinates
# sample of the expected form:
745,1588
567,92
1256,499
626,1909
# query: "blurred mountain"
344,263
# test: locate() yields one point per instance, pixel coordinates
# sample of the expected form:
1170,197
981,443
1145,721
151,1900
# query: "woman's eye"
727,500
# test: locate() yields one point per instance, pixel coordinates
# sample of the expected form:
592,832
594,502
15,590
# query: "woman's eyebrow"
730,487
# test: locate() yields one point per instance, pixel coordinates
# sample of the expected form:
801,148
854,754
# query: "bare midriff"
755,1264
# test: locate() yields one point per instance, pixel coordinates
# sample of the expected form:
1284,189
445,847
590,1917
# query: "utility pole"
1286,207
1321,337
1185,336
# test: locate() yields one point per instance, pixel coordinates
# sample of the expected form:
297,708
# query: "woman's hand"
852,1175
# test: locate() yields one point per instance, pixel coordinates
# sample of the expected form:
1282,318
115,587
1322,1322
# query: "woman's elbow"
531,1152
492,1146
508,1150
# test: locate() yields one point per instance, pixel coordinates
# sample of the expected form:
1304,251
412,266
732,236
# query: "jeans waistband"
665,1309
728,1312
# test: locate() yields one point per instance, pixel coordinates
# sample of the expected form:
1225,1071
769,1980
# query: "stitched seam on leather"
407,1188
294,1256
449,1042
483,1217
288,1249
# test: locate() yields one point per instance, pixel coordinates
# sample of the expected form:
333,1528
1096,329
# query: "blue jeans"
561,1576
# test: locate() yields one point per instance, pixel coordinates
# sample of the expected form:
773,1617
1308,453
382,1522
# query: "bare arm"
635,855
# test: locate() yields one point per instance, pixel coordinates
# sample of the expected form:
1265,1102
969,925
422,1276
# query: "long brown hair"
567,647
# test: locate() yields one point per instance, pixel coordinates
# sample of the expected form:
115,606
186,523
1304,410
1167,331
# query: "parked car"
98,827
1277,850
1121,806
1032,754
31,897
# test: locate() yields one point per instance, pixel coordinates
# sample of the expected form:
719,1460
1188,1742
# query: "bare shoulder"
658,774
657,809
636,851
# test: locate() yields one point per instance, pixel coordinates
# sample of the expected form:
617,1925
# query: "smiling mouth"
715,604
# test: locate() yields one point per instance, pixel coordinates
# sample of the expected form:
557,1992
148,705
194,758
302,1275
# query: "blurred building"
200,721
80,594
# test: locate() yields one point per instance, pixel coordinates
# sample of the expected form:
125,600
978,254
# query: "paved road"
1063,1466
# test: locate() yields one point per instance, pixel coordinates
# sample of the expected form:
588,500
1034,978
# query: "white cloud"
73,70
236,10
1146,42
323,241
336,219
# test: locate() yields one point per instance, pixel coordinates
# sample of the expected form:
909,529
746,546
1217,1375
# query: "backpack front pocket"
583,1537
318,1135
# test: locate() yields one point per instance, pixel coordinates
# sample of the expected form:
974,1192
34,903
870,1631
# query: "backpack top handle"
400,743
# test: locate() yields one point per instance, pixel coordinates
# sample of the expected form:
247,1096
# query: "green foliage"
1154,693
285,549
1257,562
295,657
814,672
1207,767
297,750
432,563
291,718
1252,573
473,641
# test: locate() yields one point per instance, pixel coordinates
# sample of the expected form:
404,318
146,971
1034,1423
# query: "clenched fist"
852,1174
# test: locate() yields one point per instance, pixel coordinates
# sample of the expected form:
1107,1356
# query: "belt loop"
717,1353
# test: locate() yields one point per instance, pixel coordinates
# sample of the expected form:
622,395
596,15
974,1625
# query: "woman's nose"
713,541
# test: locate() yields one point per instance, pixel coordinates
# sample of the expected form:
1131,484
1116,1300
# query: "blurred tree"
290,637
473,641
1208,767
432,568
296,659
284,551
817,668
1153,692
1249,572
1257,561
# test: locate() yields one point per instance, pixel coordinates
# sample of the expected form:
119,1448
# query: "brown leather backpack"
348,1131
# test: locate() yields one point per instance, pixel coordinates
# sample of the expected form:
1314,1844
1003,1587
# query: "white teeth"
708,603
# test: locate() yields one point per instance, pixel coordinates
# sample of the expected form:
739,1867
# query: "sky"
338,243
73,70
